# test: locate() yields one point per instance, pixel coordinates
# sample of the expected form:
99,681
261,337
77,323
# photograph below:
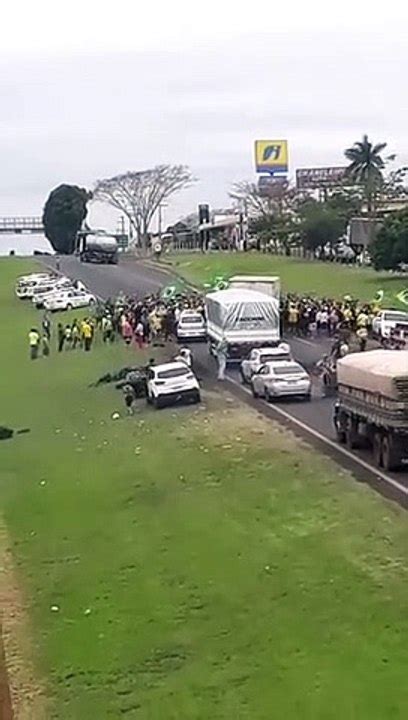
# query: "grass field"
300,276
205,563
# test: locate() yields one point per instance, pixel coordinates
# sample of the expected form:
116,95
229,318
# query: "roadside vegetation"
299,276
192,563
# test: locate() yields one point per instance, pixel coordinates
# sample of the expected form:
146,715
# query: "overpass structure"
21,225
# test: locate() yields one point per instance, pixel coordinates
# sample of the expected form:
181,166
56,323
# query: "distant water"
23,244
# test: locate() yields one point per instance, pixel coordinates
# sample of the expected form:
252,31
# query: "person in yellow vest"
87,334
34,342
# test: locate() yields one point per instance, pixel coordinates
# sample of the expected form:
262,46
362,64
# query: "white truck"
267,284
372,406
245,319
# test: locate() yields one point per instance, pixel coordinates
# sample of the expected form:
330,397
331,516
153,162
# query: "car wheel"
69,306
254,392
158,402
243,378
92,301
268,397
197,398
308,397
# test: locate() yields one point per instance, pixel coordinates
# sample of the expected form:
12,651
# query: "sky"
87,92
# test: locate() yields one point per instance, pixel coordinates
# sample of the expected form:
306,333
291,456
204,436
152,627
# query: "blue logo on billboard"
272,152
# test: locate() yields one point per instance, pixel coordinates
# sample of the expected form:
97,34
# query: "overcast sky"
87,92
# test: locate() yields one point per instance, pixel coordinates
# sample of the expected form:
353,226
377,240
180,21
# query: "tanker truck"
372,405
98,248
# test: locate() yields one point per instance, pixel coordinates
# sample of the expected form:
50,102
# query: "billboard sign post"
322,177
271,156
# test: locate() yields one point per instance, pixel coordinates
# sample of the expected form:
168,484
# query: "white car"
44,292
263,356
25,287
281,379
68,300
387,321
171,383
191,326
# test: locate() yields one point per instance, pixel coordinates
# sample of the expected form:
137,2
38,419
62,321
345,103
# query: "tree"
139,195
64,213
390,247
320,225
367,166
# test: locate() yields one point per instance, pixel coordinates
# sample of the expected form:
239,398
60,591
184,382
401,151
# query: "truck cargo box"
384,372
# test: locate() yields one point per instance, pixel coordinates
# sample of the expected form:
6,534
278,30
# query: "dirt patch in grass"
22,696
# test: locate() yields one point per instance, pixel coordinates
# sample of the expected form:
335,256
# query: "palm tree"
366,166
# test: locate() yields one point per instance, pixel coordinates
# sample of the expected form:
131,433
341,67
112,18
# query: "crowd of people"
151,321
311,317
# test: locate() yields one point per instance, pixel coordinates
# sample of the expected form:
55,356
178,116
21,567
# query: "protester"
45,341
87,334
221,352
61,337
34,342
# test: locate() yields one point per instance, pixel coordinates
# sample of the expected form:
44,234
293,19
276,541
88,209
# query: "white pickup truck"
387,322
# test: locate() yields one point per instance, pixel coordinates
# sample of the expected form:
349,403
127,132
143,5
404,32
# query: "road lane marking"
339,448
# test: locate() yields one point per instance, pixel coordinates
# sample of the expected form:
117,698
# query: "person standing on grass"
75,334
45,345
107,329
87,333
139,335
127,331
46,325
61,337
34,342
68,336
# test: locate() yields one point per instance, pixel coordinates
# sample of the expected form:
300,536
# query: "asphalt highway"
309,419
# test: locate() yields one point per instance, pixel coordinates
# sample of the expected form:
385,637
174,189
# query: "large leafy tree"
64,213
367,166
320,225
390,246
138,195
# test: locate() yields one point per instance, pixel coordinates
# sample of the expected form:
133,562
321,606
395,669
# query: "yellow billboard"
271,156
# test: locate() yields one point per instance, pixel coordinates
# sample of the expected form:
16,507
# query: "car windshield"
288,370
396,317
172,373
272,358
192,319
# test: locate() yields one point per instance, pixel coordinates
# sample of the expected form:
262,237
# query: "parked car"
388,321
69,299
43,292
25,287
262,356
171,383
191,326
281,379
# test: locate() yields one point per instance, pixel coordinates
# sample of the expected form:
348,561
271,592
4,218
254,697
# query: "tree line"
288,217
284,217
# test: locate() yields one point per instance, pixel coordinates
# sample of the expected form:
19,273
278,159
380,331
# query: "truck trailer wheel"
391,453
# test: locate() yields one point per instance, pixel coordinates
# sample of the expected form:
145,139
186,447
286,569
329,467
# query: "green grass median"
192,563
320,279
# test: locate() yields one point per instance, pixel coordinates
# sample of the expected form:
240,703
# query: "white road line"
327,441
